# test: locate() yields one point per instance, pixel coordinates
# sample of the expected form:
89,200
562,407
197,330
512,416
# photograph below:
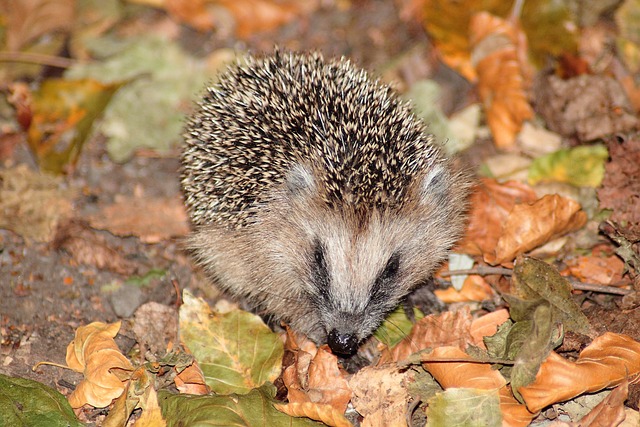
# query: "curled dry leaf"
94,353
27,20
607,362
491,203
499,50
605,270
326,414
476,375
315,377
191,380
446,329
531,225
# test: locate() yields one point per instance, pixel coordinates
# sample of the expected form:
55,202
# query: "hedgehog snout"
343,343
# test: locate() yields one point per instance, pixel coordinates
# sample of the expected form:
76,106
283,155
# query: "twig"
37,58
481,270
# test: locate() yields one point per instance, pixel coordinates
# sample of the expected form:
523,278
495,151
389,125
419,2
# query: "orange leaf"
246,16
326,414
474,288
491,203
191,380
94,353
315,377
476,375
446,329
607,362
531,225
499,51
604,270
487,325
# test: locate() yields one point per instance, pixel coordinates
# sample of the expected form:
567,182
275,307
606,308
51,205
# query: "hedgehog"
315,195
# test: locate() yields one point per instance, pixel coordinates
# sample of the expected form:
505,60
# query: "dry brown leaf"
380,396
607,362
326,414
27,20
249,16
531,225
32,203
88,248
605,270
94,353
476,375
153,219
610,412
491,203
487,325
446,329
499,50
151,414
191,380
316,378
474,288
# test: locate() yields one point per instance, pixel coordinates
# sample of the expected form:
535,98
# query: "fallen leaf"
326,414
607,362
474,288
610,412
461,374
32,204
487,325
385,407
152,219
151,413
581,166
236,351
246,16
255,408
531,225
445,329
396,326
455,407
317,379
491,202
499,56
94,353
63,115
604,270
26,402
191,380
88,248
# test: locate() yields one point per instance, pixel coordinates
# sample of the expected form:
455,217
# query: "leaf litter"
479,361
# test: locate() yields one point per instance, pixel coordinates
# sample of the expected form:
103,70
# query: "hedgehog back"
272,113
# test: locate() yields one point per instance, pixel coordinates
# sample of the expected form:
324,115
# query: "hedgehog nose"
345,344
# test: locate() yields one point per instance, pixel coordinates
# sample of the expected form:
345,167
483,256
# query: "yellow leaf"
94,353
326,414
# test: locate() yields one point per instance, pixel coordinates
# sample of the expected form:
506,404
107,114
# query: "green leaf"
465,407
534,279
396,326
252,409
149,112
236,350
32,404
580,166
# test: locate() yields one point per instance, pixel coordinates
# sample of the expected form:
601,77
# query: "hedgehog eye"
320,271
390,270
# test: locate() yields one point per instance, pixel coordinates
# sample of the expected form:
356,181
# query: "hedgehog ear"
300,180
434,184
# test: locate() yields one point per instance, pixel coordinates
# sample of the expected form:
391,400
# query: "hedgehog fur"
316,195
